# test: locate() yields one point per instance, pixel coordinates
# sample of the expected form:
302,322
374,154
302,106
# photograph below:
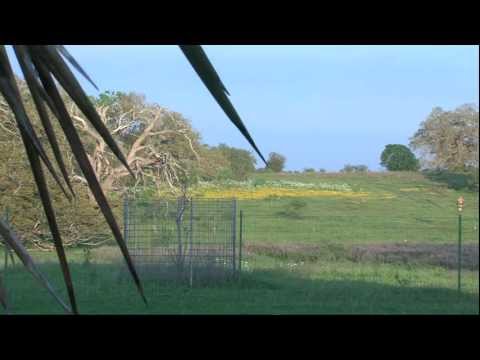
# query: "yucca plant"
45,68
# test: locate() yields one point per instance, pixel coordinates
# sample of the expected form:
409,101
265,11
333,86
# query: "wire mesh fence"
182,239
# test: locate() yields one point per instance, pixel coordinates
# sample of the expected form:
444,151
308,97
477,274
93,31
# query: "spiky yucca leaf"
36,89
33,157
37,58
48,56
82,160
205,70
50,214
74,62
10,92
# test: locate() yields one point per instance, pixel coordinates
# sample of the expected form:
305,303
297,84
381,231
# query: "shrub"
354,168
456,181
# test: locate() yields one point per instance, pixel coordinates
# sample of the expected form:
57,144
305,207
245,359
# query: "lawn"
268,285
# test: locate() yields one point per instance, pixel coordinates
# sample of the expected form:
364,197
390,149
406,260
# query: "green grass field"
378,254
267,286
417,210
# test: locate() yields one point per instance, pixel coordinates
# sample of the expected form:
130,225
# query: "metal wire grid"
182,239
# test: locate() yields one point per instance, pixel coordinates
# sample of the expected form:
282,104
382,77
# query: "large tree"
160,145
160,148
241,162
449,139
276,161
397,157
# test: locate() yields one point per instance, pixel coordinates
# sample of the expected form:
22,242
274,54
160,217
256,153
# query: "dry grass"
442,255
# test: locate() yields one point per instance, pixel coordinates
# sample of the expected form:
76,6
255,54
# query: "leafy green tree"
276,161
160,144
397,157
242,162
107,98
212,163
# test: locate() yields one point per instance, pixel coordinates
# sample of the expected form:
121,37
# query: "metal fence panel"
182,239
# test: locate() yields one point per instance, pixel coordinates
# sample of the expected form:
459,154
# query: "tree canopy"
449,139
241,162
397,157
276,161
160,146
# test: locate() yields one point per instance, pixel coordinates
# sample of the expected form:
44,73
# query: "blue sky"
320,106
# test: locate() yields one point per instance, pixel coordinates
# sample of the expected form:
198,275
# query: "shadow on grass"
101,289
457,181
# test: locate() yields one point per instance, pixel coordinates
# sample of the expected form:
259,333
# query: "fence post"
191,241
240,243
460,203
8,250
5,264
125,218
3,273
459,252
234,232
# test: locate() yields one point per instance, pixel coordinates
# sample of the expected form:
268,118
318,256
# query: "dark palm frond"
82,160
47,206
205,70
35,89
49,57
34,159
10,92
15,244
36,63
74,62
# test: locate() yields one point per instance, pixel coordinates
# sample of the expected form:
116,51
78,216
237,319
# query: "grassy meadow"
374,243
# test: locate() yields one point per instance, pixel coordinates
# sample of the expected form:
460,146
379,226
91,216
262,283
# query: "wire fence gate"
183,239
